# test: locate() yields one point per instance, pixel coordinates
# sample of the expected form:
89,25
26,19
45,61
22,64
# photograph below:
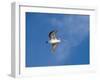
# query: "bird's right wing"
54,47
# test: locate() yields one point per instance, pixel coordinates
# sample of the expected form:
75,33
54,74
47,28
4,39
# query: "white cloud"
72,31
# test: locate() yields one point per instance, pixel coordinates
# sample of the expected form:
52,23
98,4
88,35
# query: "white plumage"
53,41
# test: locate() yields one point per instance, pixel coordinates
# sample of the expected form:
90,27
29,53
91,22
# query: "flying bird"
53,40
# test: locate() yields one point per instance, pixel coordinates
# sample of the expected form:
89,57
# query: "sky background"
73,31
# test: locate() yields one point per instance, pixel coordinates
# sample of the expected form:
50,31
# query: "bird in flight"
53,40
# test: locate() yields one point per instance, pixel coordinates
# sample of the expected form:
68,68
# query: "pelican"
53,40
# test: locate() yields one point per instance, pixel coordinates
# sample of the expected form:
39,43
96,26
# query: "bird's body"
53,40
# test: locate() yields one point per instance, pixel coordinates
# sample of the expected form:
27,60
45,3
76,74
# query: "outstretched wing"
54,47
52,35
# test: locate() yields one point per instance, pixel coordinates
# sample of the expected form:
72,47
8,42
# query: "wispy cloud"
72,29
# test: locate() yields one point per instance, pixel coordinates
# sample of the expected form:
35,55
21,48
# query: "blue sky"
73,31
